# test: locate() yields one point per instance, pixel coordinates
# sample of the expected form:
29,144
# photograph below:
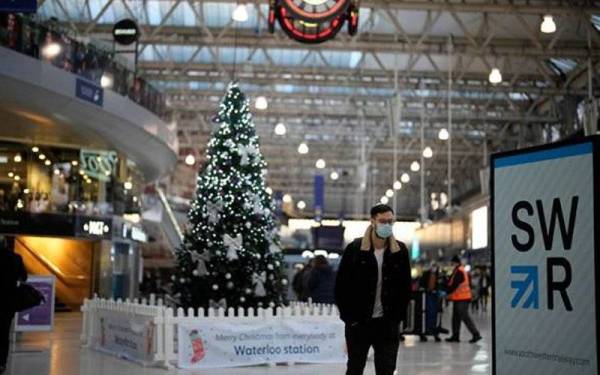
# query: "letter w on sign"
522,286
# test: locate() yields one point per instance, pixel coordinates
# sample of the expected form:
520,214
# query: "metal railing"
52,45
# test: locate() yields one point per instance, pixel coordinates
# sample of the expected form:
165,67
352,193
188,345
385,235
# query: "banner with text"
125,336
544,262
214,343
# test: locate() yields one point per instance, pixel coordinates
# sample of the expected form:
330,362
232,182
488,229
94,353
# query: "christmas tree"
230,255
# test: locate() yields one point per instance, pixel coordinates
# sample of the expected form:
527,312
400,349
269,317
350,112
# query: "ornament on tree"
246,153
260,280
274,249
214,211
200,260
233,244
220,304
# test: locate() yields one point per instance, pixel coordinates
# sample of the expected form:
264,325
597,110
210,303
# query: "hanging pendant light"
548,26
495,76
240,13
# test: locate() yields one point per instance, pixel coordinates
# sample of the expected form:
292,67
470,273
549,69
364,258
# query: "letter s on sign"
525,227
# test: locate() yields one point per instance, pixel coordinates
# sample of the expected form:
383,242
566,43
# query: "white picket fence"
166,319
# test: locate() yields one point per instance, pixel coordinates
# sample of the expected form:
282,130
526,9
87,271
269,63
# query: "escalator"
163,227
69,261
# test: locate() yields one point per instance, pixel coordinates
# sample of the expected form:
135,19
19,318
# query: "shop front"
64,210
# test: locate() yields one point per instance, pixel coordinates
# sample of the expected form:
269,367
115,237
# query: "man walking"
459,292
372,292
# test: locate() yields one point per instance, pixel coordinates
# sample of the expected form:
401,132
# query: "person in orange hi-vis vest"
459,292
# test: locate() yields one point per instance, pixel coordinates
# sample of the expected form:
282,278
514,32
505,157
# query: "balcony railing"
27,36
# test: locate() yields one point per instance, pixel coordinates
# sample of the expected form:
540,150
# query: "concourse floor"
59,353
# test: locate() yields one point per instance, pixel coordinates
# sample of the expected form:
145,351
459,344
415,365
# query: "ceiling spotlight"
389,193
280,129
443,135
548,26
35,149
384,200
301,205
47,162
320,164
303,148
11,174
287,198
74,163
405,178
51,50
106,81
190,159
269,191
240,13
495,76
17,178
398,185
56,172
18,158
42,156
415,166
261,103
334,175
128,185
428,152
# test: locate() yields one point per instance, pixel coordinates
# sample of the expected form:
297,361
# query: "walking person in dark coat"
12,271
372,291
321,281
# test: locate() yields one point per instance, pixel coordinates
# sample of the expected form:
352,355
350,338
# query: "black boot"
452,339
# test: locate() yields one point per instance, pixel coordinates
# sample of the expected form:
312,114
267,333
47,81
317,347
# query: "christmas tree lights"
231,252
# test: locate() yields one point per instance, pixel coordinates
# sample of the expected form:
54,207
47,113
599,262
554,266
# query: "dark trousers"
460,314
383,335
5,323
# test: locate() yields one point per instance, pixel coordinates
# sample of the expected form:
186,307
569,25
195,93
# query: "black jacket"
321,284
356,283
11,271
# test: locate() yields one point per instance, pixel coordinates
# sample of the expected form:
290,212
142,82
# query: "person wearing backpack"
12,271
372,291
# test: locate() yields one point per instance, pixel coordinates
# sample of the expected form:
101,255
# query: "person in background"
297,280
304,278
372,291
484,290
12,272
475,288
459,292
321,281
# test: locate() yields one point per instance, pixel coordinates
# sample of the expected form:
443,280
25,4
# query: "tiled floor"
59,353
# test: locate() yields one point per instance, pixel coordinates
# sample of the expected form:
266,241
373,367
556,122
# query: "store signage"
96,228
135,233
38,318
125,32
99,164
90,92
18,6
544,249
222,343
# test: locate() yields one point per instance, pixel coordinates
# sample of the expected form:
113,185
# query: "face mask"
384,230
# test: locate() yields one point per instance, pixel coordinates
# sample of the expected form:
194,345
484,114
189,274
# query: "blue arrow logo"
522,286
